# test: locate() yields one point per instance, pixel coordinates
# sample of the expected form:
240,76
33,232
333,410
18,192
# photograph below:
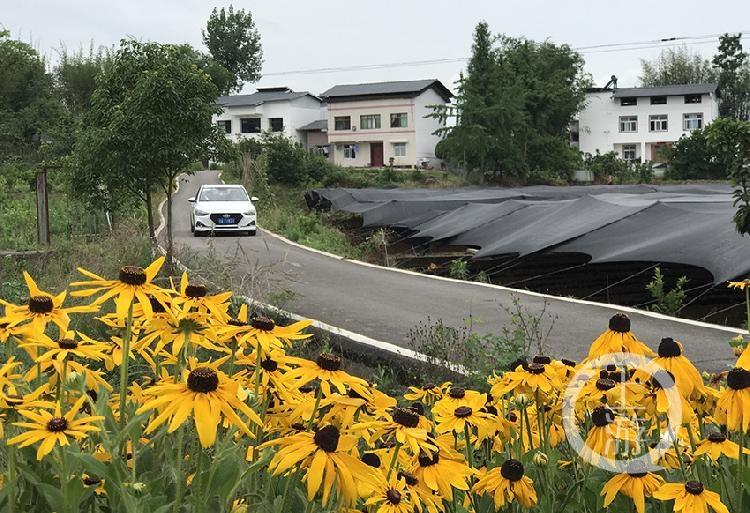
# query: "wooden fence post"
42,208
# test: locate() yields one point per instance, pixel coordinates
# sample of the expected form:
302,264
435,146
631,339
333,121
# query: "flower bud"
522,400
738,350
738,341
540,459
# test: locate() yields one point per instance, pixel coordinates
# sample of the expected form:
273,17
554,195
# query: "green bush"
667,302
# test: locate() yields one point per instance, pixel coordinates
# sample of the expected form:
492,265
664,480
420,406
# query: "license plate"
226,220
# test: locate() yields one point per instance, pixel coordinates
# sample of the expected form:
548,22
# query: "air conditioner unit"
354,128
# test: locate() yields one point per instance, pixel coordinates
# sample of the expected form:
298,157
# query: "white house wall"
426,126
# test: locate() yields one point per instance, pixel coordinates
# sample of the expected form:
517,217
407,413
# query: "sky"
304,35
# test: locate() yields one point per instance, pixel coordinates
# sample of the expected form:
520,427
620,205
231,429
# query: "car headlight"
250,212
200,212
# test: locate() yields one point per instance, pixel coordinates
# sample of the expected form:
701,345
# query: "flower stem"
393,460
124,365
231,359
740,465
11,478
318,396
179,485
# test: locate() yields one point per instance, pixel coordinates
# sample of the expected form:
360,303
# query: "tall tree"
150,118
234,42
734,77
75,76
676,66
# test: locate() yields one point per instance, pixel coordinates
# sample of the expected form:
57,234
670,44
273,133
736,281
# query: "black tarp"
682,224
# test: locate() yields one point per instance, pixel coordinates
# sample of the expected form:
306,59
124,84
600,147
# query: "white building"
271,109
368,124
637,122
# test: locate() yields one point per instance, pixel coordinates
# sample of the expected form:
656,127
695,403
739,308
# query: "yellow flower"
671,359
527,379
717,444
328,457
71,344
450,419
327,369
391,496
205,393
742,285
735,400
690,497
403,426
428,393
635,483
262,332
194,297
608,429
41,309
506,484
134,284
618,339
441,473
53,429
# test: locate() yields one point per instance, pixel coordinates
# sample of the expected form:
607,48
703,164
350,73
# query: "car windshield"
223,194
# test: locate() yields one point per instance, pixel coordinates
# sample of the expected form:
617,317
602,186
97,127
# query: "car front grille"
220,219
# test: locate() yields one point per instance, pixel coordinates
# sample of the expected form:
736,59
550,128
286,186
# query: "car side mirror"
192,200
253,198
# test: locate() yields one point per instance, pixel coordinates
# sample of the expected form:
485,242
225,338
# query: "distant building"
270,109
368,124
637,122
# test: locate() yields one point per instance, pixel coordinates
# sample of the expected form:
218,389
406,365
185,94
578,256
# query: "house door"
376,154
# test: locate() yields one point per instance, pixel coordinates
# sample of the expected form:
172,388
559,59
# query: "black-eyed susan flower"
618,339
327,369
422,497
440,472
607,431
206,394
194,297
636,483
72,344
263,332
691,497
390,496
507,484
663,396
41,309
735,400
53,429
328,457
717,444
428,394
180,328
134,284
528,379
470,413
9,376
403,425
671,358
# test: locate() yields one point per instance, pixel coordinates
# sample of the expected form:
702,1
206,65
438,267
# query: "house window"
350,151
276,124
369,121
657,123
225,126
399,120
250,125
399,149
658,100
628,101
628,124
692,121
693,98
628,152
342,123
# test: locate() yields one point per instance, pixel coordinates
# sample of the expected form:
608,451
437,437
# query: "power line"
591,49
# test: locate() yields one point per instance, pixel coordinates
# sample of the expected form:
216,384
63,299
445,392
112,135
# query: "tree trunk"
169,230
150,213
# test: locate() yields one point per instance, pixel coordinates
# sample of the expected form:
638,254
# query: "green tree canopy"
75,76
676,66
234,43
734,77
150,117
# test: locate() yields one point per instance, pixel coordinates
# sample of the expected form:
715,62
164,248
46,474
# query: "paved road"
385,305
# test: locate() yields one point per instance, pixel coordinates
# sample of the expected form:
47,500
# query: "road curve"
385,304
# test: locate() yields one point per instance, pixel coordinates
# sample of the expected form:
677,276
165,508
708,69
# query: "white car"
222,208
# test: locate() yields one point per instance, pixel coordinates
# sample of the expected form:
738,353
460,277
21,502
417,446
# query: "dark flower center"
425,460
602,416
611,367
40,304
462,412
67,343
488,408
717,437
406,417
409,478
156,306
738,379
618,377
520,361
299,426
13,399
329,362
636,469
536,368
569,363
620,323
393,496
306,389
512,417
262,323
132,275
428,386
546,360
662,379
57,424
203,380
605,384
668,348
327,438
457,393
196,290
371,459
694,487
269,365
417,408
236,322
91,480
512,470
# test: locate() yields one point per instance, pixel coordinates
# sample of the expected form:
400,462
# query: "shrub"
667,302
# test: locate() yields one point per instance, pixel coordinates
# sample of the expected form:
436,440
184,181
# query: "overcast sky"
304,35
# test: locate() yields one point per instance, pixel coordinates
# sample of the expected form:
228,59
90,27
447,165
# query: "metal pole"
42,208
